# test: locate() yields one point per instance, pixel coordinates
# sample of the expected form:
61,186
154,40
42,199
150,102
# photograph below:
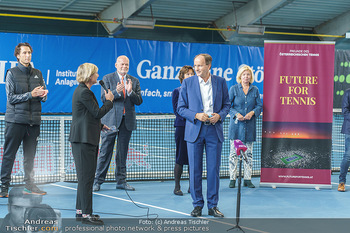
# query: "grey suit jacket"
114,117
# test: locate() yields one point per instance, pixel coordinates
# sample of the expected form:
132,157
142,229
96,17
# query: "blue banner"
155,63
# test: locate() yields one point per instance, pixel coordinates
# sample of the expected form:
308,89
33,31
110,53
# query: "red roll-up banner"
297,114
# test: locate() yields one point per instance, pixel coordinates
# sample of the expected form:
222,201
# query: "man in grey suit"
122,121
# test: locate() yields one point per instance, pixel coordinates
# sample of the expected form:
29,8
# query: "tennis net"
151,154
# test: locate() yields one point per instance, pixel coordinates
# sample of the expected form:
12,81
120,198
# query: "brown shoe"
341,187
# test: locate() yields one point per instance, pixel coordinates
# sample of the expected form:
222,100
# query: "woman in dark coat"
179,124
85,136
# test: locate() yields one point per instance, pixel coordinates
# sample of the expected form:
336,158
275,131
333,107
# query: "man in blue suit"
204,103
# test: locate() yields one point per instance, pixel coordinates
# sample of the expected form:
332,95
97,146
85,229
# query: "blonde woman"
246,106
85,136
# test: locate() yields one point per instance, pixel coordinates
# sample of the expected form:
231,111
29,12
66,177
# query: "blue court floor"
154,199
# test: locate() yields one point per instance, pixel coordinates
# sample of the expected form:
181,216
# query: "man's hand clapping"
120,88
39,92
128,86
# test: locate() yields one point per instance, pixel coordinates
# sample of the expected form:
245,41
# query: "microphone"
103,85
240,148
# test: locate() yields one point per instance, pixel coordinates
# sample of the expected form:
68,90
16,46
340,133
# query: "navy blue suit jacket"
190,103
179,120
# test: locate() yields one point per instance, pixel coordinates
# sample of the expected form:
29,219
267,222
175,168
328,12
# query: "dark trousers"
106,153
209,140
15,134
85,157
181,146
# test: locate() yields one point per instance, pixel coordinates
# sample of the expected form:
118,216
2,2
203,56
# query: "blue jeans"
344,166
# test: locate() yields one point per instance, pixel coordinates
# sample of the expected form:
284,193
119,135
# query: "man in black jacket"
25,90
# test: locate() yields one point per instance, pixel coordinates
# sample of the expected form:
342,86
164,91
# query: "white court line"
161,208
122,199
338,183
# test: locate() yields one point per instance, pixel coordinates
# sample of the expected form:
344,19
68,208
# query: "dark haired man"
25,90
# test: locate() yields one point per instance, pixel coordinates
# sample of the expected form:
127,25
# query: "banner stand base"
291,185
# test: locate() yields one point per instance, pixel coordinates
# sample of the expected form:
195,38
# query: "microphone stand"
238,206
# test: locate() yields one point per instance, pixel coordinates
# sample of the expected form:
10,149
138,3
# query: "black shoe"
33,189
178,192
125,186
96,187
248,183
92,220
197,211
79,217
232,184
215,212
4,191
189,190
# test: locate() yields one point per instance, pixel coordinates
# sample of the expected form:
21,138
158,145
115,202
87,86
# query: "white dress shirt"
207,95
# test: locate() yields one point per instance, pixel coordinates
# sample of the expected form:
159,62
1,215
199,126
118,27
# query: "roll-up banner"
297,114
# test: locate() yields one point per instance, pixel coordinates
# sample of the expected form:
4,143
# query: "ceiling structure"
214,21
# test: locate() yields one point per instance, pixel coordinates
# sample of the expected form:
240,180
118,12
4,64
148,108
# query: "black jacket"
21,107
86,116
